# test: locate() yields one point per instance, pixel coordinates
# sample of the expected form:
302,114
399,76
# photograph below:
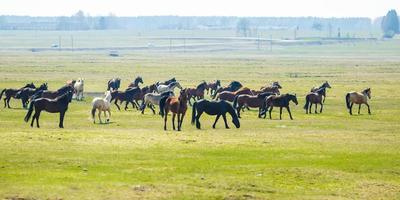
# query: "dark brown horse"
12,93
177,105
252,101
214,108
54,94
136,82
324,85
213,87
26,93
197,92
230,96
114,84
278,101
232,87
130,95
57,105
314,98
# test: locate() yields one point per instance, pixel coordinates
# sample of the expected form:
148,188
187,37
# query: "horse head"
326,84
139,79
368,92
276,83
178,85
218,83
43,86
293,98
235,118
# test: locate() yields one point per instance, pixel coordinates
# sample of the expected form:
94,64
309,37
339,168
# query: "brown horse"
177,105
12,93
212,87
230,96
197,92
278,101
232,87
358,98
324,85
252,101
136,82
272,89
57,105
314,98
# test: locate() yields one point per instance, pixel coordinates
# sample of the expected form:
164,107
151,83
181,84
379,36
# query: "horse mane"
203,84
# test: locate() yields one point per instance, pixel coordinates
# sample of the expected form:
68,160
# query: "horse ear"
295,94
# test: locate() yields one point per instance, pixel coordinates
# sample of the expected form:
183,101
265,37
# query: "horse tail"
1,94
307,103
93,112
235,101
162,105
194,112
30,110
348,100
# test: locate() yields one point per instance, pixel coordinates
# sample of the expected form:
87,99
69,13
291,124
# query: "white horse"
102,104
152,99
78,86
170,87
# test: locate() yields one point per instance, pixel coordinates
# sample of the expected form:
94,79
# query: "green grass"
325,156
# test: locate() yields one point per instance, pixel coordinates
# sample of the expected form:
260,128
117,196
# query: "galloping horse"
232,87
12,93
212,87
57,105
169,87
358,98
278,101
324,85
78,87
114,84
230,96
214,108
196,92
136,82
102,104
177,105
26,93
252,101
152,99
314,98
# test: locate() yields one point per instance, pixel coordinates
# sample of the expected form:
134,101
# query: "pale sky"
320,8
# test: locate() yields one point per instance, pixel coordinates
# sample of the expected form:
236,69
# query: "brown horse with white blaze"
358,98
177,105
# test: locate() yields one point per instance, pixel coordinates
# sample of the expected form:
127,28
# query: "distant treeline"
80,21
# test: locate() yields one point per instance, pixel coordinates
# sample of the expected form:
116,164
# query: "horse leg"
290,114
322,105
309,111
316,109
5,102
280,113
8,102
359,108
116,103
165,119
100,116
180,121
369,110
270,110
173,121
126,105
226,124
198,125
33,118
216,120
351,107
152,109
109,115
238,110
61,125
37,118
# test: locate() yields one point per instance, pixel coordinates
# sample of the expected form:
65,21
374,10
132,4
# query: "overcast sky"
320,8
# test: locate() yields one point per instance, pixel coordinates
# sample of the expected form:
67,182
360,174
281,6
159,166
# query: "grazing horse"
57,105
12,93
196,92
214,108
314,98
166,82
230,96
177,105
136,82
278,101
102,104
78,87
324,85
358,98
114,84
152,99
252,101
232,87
27,93
169,87
212,87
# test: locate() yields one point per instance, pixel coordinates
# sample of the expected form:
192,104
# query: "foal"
358,98
177,105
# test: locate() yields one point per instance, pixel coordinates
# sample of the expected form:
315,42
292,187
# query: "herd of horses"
232,99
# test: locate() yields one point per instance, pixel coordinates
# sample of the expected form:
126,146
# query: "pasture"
320,156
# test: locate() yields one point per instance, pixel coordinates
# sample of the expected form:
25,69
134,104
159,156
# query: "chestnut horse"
177,105
358,98
252,101
230,96
197,92
212,87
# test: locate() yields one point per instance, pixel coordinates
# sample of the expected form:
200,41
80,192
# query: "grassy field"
325,156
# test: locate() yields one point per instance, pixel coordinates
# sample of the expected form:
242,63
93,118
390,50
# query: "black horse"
214,108
278,101
114,84
27,93
324,85
57,105
166,82
12,93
